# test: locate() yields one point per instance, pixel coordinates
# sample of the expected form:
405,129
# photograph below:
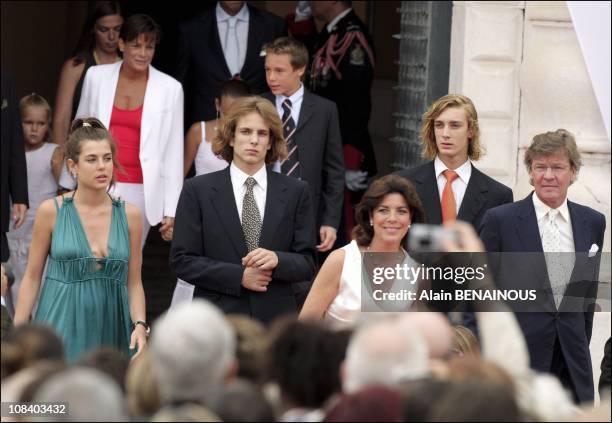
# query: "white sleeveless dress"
347,307
205,162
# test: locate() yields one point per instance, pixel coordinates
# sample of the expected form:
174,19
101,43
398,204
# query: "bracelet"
144,324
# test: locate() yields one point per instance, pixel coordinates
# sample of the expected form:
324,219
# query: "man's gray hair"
384,352
90,396
192,349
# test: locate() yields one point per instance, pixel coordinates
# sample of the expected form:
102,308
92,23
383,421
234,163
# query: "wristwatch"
143,323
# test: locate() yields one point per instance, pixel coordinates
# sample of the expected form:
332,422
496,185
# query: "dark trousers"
4,248
558,367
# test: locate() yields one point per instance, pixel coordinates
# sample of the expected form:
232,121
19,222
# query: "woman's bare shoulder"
335,260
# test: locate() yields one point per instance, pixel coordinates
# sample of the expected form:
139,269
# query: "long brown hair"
242,107
428,135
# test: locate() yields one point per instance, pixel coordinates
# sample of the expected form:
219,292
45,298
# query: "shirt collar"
295,97
464,171
332,24
239,177
223,16
542,209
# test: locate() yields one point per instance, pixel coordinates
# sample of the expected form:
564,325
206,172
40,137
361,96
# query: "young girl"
44,164
93,294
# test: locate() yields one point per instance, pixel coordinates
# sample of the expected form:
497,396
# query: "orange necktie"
449,207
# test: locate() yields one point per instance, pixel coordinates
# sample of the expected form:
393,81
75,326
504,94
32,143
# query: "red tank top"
125,129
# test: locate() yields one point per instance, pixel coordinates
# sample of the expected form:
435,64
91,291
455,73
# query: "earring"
215,127
371,223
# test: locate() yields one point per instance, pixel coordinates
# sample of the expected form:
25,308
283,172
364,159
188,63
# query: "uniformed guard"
342,70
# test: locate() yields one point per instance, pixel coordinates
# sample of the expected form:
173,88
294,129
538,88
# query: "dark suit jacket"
208,243
514,228
201,66
320,153
14,174
482,193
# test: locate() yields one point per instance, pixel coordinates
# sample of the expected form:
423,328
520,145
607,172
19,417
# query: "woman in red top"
143,109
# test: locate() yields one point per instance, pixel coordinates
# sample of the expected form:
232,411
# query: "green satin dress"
84,298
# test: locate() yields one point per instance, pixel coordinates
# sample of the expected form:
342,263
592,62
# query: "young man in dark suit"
557,336
245,234
451,138
313,143
312,133
450,186
223,43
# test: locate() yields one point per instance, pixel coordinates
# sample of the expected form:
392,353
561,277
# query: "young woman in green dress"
93,294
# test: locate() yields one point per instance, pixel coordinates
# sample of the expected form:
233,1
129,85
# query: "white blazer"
161,132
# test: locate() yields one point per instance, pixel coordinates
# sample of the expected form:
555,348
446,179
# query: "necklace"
95,56
400,254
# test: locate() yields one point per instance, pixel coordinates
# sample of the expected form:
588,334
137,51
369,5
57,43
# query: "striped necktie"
291,165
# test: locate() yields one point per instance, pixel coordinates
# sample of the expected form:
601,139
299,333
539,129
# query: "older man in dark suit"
547,222
14,177
223,43
245,234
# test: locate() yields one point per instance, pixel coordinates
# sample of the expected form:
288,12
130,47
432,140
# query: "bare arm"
62,114
136,294
57,161
325,287
192,142
39,251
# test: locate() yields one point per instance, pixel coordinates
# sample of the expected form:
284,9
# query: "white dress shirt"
332,24
239,178
242,30
459,184
563,221
296,104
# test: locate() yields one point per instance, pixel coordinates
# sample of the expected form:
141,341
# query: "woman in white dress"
198,148
383,217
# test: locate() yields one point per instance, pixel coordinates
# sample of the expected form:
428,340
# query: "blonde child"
44,161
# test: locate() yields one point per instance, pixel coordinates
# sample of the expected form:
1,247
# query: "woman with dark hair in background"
93,287
97,45
143,110
383,218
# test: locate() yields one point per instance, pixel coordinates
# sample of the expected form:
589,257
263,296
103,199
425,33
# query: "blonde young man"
449,185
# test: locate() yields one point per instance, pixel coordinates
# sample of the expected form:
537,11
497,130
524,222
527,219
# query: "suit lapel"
474,198
150,108
225,206
217,47
527,226
107,95
275,208
252,55
428,191
306,111
580,229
